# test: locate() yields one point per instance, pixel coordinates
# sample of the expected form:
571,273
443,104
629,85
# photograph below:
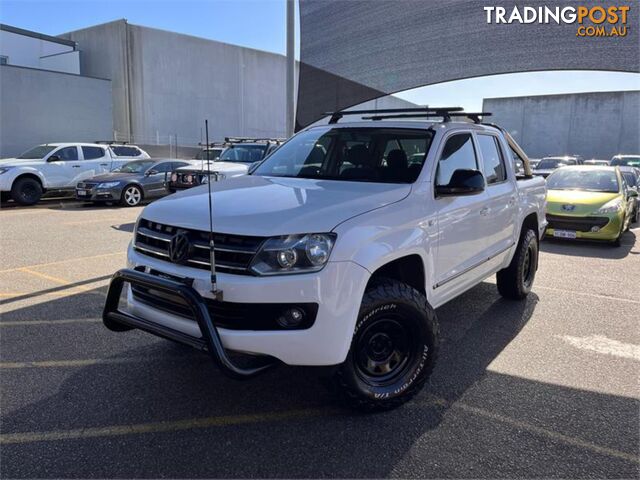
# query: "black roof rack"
251,140
110,142
335,116
446,115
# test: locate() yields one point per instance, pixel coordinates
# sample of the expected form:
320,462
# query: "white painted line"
604,345
587,294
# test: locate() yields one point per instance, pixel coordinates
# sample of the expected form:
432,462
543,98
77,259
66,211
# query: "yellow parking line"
60,262
159,427
51,278
26,323
543,432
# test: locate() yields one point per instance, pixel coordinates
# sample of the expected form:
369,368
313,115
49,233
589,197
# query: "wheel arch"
31,175
408,269
530,221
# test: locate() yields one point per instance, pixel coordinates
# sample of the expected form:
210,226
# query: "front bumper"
337,289
99,194
582,226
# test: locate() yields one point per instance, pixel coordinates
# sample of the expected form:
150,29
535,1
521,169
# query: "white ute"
337,250
59,167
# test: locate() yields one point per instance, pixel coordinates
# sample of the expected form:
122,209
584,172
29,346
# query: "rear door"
155,182
461,246
95,160
499,228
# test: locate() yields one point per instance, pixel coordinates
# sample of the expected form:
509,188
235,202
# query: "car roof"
626,156
86,144
408,124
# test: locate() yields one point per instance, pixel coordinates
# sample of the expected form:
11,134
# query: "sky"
260,24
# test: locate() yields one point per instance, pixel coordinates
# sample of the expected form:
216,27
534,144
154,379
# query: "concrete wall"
29,51
594,125
39,106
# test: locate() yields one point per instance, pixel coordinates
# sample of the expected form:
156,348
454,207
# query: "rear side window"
67,153
458,154
91,153
492,161
121,151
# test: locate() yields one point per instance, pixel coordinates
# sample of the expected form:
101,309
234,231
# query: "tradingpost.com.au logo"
598,21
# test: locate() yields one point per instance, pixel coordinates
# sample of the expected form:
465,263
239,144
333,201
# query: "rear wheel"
393,350
131,196
26,191
516,280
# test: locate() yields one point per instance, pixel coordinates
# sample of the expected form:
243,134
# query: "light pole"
291,65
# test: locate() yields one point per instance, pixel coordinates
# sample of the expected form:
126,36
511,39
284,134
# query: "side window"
122,151
67,153
163,167
492,161
91,153
458,153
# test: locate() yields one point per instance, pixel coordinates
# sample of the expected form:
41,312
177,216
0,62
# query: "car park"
631,176
237,158
590,203
56,167
547,165
625,160
337,249
130,183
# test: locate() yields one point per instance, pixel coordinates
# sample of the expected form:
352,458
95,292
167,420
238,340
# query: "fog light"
291,318
287,258
595,229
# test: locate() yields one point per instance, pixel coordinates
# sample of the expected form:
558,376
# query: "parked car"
57,167
600,163
547,165
239,155
590,203
625,160
631,176
212,152
336,251
131,183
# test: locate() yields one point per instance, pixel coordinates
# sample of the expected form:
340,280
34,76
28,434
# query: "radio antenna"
212,253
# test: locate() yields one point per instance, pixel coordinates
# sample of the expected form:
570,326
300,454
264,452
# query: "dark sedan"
130,183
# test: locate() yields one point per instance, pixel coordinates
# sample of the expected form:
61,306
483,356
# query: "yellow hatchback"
588,202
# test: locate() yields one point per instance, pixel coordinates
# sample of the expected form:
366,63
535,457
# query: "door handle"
104,164
484,211
75,166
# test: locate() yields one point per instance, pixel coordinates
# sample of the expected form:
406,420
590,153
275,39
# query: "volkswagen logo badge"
179,247
568,208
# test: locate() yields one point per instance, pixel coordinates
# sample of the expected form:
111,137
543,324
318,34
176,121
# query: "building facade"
594,125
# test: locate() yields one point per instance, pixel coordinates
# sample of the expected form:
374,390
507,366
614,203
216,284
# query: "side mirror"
463,182
150,172
53,158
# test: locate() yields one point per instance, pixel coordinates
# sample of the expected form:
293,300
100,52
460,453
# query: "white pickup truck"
337,250
59,167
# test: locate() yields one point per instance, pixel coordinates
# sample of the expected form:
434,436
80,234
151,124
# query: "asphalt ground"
548,387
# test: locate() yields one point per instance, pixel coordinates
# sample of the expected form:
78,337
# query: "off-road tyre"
396,318
515,281
26,191
132,196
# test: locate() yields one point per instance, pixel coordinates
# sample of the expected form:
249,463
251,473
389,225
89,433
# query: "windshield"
213,154
243,153
382,155
592,180
40,151
625,161
135,167
549,163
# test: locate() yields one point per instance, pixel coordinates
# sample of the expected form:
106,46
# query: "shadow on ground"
164,382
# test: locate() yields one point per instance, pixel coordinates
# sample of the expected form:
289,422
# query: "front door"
62,168
461,245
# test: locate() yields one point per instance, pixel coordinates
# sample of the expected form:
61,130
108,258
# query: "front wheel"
393,350
26,191
516,280
131,196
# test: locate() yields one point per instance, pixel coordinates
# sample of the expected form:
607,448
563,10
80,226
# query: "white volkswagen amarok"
336,250
59,167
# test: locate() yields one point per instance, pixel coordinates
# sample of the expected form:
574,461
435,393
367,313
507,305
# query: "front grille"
578,224
233,316
234,253
87,185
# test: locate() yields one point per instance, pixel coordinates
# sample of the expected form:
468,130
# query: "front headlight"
611,207
108,184
4,169
293,254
